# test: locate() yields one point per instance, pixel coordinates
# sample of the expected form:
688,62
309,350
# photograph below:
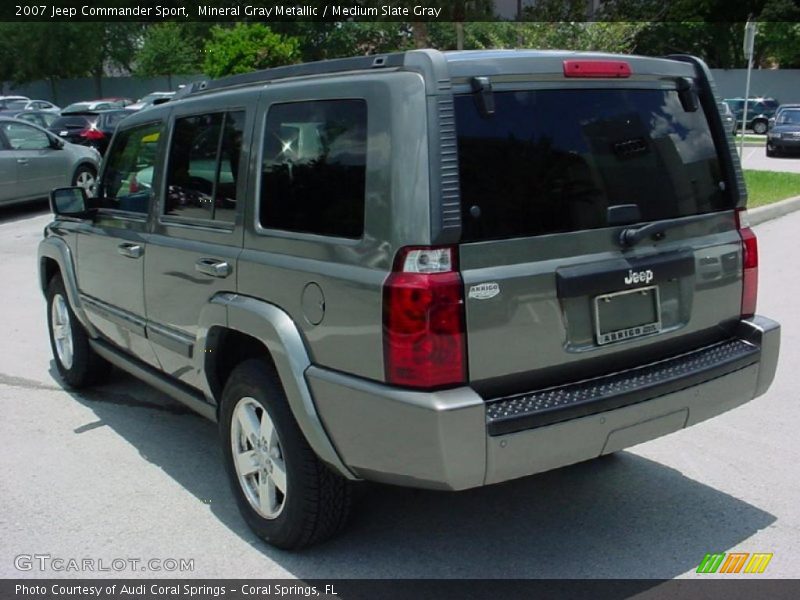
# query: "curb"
773,211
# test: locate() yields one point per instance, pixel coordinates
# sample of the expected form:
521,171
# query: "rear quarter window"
314,160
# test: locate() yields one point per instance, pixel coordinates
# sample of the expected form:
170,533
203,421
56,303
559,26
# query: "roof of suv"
439,69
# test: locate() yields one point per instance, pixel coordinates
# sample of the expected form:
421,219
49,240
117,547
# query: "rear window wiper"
630,236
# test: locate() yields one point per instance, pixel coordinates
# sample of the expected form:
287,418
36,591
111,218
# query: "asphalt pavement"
123,472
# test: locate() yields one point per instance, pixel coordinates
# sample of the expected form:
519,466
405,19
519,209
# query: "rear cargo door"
552,295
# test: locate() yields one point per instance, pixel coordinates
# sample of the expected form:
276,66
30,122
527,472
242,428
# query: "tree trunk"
420,34
459,35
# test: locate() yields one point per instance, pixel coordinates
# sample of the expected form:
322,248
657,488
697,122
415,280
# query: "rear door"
552,295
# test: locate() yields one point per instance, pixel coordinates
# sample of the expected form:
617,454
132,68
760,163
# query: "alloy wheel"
258,458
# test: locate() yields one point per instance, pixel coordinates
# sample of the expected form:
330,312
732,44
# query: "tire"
760,127
78,365
85,177
314,503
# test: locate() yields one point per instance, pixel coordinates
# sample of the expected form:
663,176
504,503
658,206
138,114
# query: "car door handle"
213,267
130,250
22,161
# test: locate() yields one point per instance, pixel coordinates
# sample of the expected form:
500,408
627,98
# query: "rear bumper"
451,439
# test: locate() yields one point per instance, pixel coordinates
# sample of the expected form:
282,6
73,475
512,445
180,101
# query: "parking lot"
124,472
755,158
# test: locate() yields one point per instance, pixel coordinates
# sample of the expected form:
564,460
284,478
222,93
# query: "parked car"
784,137
759,111
5,100
527,298
89,105
779,110
91,128
34,161
38,105
117,100
727,117
40,118
151,99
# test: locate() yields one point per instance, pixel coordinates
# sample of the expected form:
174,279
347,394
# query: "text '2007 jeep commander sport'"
441,270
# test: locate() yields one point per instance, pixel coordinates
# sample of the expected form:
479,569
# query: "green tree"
247,47
166,50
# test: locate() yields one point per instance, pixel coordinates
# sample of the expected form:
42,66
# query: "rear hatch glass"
552,161
70,123
551,293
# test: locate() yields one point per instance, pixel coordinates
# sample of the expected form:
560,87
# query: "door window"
23,137
128,177
203,167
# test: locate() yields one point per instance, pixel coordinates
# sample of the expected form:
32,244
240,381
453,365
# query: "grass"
766,187
750,138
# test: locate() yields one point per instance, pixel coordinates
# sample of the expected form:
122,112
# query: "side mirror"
56,143
70,202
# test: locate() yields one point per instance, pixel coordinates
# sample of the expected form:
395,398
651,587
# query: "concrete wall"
74,90
781,84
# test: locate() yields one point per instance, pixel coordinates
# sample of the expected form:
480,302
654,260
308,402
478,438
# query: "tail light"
424,342
92,134
749,264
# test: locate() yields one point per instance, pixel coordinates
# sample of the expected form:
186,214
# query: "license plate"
620,316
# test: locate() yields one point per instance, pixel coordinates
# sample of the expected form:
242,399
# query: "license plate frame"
634,331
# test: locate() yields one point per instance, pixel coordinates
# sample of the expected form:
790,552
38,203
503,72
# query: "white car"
4,100
22,104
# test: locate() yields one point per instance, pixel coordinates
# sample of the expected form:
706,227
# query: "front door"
40,165
112,247
197,237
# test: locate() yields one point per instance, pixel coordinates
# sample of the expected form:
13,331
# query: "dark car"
784,137
93,128
759,112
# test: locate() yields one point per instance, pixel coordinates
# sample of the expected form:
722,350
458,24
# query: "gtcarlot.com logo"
48,562
735,562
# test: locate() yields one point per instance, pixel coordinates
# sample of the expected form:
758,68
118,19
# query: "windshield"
789,117
552,161
16,104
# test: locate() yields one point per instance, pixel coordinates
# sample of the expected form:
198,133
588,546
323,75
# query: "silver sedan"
33,161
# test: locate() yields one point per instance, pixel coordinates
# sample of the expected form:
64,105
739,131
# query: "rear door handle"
130,250
213,267
22,161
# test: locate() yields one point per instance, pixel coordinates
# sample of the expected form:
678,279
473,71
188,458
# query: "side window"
23,137
314,168
128,177
203,166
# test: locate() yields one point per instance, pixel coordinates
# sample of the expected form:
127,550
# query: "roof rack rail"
323,67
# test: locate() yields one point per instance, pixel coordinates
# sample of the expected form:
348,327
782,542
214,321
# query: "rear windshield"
70,122
550,161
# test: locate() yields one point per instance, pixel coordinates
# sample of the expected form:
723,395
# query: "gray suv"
439,270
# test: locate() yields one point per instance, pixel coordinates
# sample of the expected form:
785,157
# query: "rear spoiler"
731,164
